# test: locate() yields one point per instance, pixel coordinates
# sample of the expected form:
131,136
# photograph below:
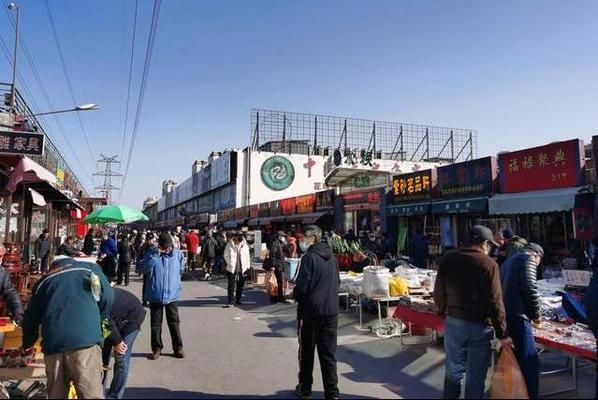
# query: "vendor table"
428,320
378,301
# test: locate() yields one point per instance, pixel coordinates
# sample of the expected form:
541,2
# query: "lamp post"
13,94
82,107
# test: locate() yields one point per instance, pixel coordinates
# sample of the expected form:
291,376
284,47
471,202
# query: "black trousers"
109,268
123,271
320,333
240,280
143,288
278,274
172,318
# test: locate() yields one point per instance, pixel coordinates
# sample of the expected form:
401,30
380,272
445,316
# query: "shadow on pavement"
213,301
161,393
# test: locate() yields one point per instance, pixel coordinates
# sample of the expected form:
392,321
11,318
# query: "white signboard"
220,171
276,176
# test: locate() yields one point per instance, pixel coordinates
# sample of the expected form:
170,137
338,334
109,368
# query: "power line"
146,68
106,188
67,77
122,151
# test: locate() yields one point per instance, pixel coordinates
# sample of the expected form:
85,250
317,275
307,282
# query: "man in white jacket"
238,261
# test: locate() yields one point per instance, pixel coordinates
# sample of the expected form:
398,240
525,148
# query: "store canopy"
253,222
234,223
461,206
408,209
269,220
37,198
540,201
115,214
28,171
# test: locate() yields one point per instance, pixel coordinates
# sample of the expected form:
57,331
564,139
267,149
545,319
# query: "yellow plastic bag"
271,284
507,379
398,287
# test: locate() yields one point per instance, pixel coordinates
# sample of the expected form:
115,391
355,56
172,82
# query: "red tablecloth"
433,321
428,320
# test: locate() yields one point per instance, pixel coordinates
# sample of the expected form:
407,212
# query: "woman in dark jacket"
277,255
88,244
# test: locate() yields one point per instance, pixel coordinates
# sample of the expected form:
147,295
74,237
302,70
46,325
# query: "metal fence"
292,132
51,159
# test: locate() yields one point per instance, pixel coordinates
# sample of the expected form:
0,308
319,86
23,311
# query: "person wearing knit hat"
514,244
522,307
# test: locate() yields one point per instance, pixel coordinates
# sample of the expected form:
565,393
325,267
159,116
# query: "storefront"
461,199
364,211
540,190
409,209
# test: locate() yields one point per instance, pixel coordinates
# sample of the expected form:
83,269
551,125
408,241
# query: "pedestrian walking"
238,262
108,256
468,294
69,303
522,306
316,293
148,247
42,251
209,249
192,241
126,317
277,257
88,244
124,260
164,270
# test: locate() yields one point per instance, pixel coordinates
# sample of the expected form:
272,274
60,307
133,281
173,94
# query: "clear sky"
522,73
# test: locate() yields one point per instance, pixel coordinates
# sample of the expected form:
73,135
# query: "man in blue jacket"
108,254
69,303
163,270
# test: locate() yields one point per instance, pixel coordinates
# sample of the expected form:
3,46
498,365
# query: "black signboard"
414,186
325,200
468,178
26,143
264,210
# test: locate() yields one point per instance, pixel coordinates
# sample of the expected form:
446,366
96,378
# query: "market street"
251,352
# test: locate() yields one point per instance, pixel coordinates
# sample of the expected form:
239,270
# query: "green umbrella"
115,214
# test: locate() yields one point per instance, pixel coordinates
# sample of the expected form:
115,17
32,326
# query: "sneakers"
207,277
155,355
302,392
179,354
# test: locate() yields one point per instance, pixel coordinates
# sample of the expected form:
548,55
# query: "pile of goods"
352,283
378,281
419,304
576,335
16,358
346,252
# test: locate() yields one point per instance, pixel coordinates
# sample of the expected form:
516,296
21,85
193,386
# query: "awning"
269,220
28,171
313,217
535,202
234,224
253,222
408,209
37,198
461,206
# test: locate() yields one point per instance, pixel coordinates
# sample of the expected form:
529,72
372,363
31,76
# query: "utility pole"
106,188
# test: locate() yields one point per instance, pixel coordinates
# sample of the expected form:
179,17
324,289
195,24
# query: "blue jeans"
467,348
520,330
121,367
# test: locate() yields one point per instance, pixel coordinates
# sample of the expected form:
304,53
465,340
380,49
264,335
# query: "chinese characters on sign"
21,143
467,178
552,166
288,206
413,186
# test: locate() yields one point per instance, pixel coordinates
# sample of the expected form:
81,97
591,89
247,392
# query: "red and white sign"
556,165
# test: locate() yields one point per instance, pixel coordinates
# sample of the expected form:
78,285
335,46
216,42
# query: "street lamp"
82,107
13,92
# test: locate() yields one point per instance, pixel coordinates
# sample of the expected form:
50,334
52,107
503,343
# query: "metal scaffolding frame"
292,132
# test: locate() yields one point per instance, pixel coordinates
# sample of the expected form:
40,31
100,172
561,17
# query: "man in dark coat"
316,292
277,255
124,260
42,251
88,244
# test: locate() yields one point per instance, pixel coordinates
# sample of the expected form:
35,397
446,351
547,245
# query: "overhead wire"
144,77
67,77
130,79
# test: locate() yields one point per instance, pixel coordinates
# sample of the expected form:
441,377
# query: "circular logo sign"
278,173
338,157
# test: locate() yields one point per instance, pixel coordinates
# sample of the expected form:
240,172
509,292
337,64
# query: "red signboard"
288,206
305,204
555,165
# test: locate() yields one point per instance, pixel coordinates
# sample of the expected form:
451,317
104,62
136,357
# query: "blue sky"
520,73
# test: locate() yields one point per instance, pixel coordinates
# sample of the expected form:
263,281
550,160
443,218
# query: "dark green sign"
277,173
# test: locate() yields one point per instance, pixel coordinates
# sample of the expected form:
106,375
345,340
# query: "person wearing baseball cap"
468,295
522,306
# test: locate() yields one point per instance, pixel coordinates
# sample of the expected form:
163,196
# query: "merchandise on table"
351,282
376,281
575,335
419,304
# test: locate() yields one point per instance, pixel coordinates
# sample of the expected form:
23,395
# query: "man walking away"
42,251
469,296
277,255
238,262
69,303
514,244
522,305
192,241
126,317
124,260
163,289
316,292
210,247
108,255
